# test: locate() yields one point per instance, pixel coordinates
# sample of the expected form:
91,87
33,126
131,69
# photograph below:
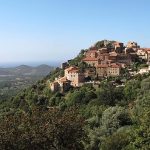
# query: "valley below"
12,80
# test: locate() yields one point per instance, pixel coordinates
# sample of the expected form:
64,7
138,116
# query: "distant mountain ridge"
40,70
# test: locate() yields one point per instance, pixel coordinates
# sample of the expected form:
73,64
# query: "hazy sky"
53,30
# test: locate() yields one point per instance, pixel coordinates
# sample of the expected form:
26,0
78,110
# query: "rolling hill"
25,70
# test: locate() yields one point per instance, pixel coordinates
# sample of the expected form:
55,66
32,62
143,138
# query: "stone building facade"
72,78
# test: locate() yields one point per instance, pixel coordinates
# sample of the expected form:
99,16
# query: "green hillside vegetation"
114,118
104,43
86,118
12,80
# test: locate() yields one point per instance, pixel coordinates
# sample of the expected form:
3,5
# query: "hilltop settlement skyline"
102,60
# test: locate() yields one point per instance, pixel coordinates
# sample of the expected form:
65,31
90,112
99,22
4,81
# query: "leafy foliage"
108,117
42,129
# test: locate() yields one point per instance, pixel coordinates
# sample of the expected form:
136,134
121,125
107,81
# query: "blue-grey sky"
56,30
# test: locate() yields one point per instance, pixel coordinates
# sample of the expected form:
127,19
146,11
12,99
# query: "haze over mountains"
41,70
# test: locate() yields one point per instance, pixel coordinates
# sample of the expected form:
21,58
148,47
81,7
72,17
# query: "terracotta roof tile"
106,65
63,79
115,65
90,59
113,54
145,49
74,71
102,66
71,68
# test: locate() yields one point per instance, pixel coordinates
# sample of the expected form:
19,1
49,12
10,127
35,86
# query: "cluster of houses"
110,61
106,61
72,78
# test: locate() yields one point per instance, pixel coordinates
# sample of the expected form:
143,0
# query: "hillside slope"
107,117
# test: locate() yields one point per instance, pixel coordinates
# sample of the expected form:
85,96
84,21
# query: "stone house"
54,86
104,56
101,70
106,70
91,57
75,76
103,50
142,54
118,46
114,70
124,58
147,50
113,56
60,84
91,53
91,61
132,45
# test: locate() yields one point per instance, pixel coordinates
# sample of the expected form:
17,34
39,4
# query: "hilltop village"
103,60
